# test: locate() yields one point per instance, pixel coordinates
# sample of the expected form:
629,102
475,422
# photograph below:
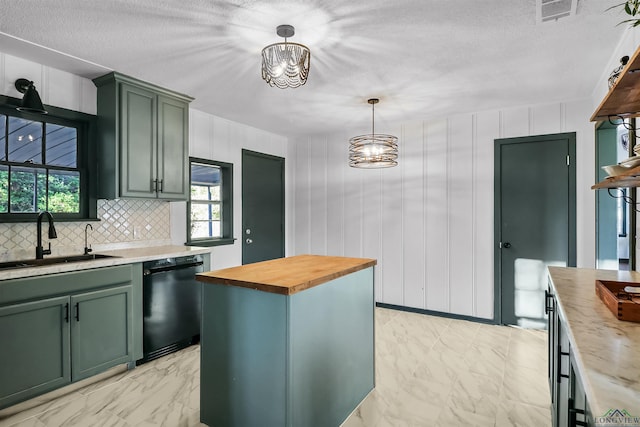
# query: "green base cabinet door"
34,353
101,330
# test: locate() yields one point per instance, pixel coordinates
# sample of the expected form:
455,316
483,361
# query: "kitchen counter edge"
289,275
121,257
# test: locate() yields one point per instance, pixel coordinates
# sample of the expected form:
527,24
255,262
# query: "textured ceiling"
423,58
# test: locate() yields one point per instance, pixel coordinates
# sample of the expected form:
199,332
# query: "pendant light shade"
31,101
286,64
374,150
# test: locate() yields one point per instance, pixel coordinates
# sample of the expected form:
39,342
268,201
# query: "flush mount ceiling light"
373,150
31,101
285,64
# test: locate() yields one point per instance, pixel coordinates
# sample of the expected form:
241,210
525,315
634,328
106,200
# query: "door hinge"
568,161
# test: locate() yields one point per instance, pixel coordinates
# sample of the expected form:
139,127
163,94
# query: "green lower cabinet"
61,328
34,354
101,331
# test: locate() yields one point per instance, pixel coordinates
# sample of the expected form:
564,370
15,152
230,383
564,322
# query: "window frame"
226,205
85,124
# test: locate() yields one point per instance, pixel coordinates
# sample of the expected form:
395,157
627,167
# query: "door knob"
248,231
249,241
506,245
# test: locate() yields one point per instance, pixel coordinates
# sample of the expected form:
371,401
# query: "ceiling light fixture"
373,150
31,101
285,64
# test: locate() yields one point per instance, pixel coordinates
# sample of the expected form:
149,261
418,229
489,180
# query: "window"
43,165
210,207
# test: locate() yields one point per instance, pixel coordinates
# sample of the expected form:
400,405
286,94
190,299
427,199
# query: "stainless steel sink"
26,263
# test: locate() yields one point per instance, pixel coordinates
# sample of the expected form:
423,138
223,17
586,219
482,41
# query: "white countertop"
124,256
606,350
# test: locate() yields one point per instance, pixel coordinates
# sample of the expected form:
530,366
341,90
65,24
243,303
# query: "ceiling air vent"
552,10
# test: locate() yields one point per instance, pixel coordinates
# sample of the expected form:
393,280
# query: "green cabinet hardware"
143,140
61,328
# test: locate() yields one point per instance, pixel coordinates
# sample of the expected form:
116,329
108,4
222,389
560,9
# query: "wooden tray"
618,301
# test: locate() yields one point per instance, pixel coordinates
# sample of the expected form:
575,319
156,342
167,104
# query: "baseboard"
436,313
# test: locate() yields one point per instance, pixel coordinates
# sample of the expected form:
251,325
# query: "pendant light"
373,150
286,65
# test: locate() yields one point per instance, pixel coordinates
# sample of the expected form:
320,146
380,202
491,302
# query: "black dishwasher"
171,305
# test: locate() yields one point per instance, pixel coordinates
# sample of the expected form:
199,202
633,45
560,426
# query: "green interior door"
535,222
262,207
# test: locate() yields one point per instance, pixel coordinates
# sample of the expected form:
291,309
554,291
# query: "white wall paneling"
392,214
334,196
318,189
436,209
461,215
429,221
486,128
412,167
352,209
303,199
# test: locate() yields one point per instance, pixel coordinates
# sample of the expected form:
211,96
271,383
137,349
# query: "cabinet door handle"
573,415
160,186
561,353
548,302
78,311
66,312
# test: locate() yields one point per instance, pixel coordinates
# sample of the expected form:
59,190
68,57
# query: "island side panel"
331,348
243,357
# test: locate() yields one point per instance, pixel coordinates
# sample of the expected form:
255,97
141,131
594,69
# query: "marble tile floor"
430,371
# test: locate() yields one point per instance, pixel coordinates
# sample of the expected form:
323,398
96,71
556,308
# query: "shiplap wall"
429,221
214,138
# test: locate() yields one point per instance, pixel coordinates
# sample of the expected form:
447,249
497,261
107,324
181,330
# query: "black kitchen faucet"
40,252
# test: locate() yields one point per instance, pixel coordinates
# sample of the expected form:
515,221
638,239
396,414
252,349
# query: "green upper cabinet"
143,140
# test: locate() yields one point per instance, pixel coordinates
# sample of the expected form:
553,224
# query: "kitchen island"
287,342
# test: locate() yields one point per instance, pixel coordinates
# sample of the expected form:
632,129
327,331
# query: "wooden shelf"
615,182
623,99
631,178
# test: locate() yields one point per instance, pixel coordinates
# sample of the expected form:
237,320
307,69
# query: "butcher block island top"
287,276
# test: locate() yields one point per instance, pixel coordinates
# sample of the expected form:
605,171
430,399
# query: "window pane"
205,229
200,192
205,211
61,146
4,189
25,140
64,191
205,174
28,189
3,141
